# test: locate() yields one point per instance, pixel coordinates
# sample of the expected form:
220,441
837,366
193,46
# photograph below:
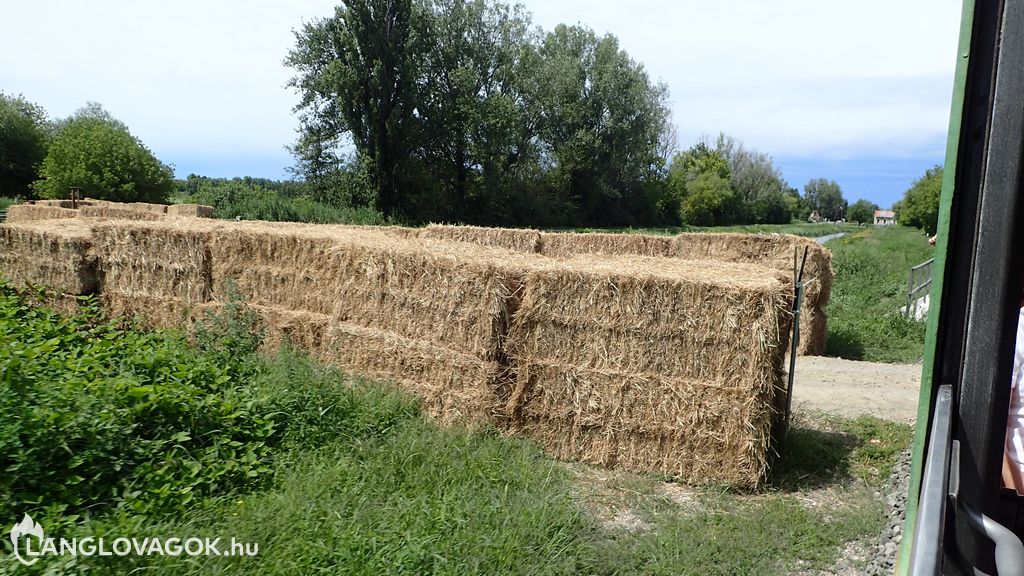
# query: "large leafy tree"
24,136
826,197
356,77
920,204
95,152
602,119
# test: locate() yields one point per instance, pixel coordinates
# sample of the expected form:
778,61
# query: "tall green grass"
871,269
236,201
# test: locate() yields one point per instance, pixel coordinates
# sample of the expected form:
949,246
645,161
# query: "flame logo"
27,527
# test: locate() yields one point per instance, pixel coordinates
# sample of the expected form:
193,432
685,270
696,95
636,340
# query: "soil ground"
849,388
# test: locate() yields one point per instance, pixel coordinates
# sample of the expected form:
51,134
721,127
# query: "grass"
352,480
6,201
871,268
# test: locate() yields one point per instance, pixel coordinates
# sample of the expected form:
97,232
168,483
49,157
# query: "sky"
856,92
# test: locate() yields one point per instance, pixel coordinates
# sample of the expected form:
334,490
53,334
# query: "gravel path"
849,388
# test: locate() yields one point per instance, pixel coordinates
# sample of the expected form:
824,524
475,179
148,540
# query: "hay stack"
454,387
153,261
145,207
653,365
32,212
455,295
112,211
775,251
568,244
518,240
190,210
55,253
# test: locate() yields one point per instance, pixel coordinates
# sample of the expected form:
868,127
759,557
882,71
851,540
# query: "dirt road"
849,388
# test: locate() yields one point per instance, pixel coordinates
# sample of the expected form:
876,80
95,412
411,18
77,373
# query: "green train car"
959,518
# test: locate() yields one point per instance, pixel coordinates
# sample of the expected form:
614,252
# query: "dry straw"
635,342
113,211
55,253
775,251
567,244
32,212
454,387
682,428
519,240
190,210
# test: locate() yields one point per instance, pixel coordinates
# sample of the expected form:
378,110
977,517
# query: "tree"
96,153
710,201
356,78
826,197
862,211
759,185
602,119
920,204
23,142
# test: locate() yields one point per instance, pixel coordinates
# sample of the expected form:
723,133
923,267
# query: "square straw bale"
642,423
31,212
708,321
156,259
516,239
776,251
54,253
152,311
114,211
458,295
190,210
454,387
568,244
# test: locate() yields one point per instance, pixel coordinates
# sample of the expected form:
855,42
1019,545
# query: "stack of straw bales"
118,212
651,364
773,250
190,210
159,270
32,212
518,240
55,253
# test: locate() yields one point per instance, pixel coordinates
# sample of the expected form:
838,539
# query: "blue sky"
856,92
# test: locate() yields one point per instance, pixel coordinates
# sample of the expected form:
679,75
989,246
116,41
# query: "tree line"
456,111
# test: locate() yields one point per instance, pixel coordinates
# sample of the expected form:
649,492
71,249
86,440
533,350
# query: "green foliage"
6,202
870,286
96,153
457,111
710,201
24,137
248,200
862,211
920,204
96,416
826,197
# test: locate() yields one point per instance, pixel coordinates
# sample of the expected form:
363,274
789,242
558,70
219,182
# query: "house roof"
884,214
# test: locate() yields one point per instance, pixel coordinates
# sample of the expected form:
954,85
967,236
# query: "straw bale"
302,330
157,259
190,210
567,244
709,321
454,387
152,311
457,294
31,212
647,423
54,253
518,240
116,212
145,207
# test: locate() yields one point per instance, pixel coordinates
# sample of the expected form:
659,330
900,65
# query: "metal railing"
919,283
3,216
